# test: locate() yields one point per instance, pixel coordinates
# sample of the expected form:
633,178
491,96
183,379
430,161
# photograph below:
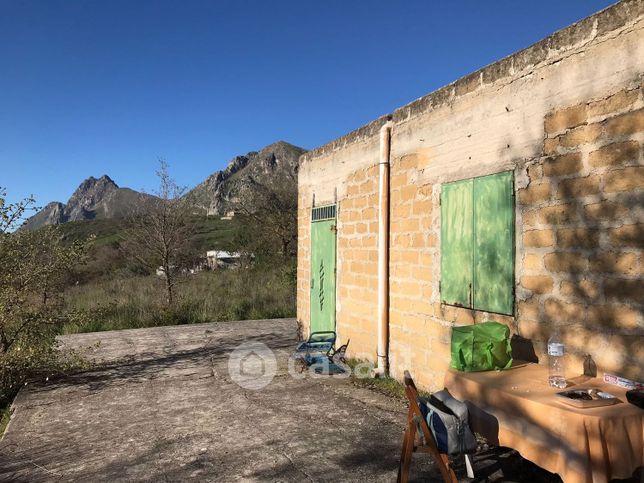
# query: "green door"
323,268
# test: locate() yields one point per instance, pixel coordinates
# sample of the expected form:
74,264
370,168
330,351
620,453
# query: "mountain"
93,199
275,166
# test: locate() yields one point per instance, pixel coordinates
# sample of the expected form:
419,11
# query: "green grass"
114,294
106,231
384,385
125,303
210,233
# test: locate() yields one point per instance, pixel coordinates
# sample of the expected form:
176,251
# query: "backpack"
447,418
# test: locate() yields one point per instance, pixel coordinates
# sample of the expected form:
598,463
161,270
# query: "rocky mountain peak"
279,146
91,184
273,165
94,198
87,196
236,164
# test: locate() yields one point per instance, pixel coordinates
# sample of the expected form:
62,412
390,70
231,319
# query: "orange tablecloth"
517,408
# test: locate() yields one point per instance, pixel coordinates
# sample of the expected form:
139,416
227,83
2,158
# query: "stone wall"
583,234
566,116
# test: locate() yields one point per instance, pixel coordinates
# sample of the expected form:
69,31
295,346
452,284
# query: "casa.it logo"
252,365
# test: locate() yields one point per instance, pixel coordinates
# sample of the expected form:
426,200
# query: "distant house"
222,259
228,216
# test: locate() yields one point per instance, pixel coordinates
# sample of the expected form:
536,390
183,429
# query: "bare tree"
13,215
159,235
270,219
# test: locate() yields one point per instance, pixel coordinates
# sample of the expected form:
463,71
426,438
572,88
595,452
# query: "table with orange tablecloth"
517,408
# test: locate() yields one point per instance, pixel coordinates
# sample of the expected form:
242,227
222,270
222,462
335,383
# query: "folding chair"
337,356
319,344
418,437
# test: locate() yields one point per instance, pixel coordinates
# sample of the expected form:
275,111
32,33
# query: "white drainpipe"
383,251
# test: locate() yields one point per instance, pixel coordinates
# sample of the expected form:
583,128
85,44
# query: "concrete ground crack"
54,473
158,434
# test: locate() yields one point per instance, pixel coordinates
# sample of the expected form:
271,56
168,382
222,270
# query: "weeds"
384,385
125,303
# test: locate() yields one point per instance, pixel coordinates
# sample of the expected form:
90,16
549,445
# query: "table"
517,408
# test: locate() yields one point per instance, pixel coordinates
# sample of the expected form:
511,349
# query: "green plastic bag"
481,347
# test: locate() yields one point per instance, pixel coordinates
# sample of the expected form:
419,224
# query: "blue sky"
108,87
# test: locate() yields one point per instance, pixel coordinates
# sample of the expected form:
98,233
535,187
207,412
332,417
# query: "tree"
34,266
270,220
160,235
13,214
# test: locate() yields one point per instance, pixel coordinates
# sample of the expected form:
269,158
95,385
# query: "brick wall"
582,234
420,326
566,116
303,259
357,266
413,247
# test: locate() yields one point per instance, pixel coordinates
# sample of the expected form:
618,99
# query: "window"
477,243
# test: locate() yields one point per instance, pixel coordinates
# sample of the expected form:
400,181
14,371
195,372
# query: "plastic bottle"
556,349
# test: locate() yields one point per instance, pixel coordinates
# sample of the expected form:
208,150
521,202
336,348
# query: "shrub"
34,266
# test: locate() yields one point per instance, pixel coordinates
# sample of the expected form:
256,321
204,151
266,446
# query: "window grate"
322,213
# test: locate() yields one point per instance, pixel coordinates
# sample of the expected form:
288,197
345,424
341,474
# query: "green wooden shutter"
493,277
456,243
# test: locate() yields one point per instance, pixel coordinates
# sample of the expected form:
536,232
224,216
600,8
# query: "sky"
93,87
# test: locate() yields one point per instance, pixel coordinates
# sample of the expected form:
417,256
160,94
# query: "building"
513,194
222,259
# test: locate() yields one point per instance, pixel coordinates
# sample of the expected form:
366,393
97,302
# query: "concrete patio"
162,407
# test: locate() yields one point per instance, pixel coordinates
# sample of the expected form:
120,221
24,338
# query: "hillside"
209,233
274,166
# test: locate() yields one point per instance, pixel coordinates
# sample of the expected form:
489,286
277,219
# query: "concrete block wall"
566,116
357,272
303,258
582,266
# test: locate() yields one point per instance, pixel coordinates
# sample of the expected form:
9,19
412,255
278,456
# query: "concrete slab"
163,407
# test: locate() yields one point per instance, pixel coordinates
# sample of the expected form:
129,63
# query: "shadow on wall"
597,261
593,214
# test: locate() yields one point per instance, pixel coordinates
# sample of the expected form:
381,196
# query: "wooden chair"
418,437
